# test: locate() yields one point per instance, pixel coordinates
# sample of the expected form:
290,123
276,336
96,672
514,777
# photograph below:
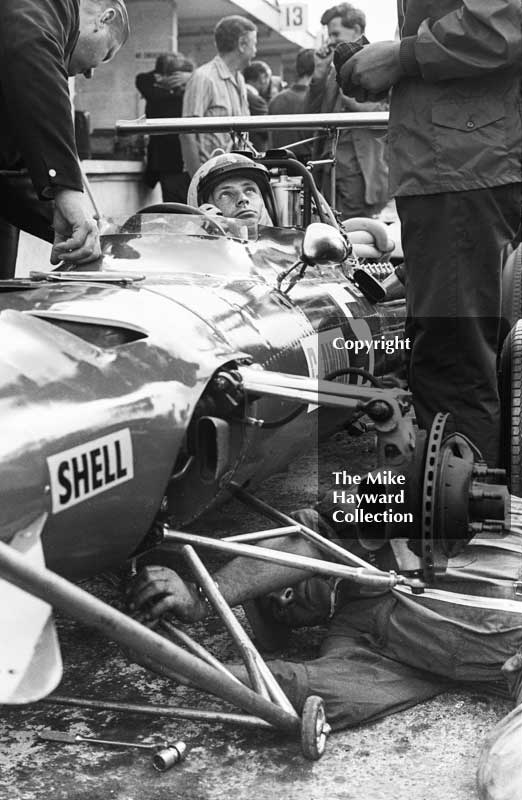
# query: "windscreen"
167,224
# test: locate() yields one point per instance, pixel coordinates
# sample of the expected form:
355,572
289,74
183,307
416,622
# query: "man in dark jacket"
163,90
455,141
42,42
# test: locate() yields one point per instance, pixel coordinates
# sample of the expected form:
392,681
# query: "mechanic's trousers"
453,246
388,653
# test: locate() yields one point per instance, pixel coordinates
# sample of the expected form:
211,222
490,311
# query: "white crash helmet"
208,175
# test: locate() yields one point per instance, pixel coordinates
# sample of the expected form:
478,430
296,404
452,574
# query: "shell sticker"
89,469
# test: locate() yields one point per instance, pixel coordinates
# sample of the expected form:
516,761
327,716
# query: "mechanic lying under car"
382,653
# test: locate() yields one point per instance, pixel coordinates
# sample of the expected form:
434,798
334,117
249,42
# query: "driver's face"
239,197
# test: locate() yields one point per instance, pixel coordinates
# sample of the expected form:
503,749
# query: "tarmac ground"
425,753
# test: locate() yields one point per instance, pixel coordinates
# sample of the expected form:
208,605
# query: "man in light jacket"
217,89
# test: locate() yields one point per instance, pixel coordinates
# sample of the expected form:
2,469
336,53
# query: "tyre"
511,291
511,397
314,728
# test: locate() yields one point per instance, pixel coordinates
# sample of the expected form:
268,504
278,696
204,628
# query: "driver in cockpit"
232,185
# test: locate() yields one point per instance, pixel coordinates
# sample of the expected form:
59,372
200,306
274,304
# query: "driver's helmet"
213,171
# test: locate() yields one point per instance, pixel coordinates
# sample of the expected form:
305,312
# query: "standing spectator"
455,167
258,76
163,90
41,43
361,169
275,85
292,101
217,89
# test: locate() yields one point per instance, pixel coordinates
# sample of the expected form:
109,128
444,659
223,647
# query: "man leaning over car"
42,43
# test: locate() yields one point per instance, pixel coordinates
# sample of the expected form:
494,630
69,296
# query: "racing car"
128,373
197,357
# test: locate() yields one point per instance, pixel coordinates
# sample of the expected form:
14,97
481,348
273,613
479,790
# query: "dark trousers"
385,654
453,247
20,209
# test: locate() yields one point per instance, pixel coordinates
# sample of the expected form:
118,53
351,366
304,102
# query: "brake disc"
428,503
460,497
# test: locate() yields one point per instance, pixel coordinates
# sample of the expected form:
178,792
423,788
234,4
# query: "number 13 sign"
294,16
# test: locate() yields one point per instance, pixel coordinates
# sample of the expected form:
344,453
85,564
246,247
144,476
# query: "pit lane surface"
425,753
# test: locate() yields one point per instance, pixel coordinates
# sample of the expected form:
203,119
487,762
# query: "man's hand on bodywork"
375,69
157,590
76,235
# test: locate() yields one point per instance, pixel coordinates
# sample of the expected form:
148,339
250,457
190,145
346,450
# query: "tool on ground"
76,738
165,755
166,758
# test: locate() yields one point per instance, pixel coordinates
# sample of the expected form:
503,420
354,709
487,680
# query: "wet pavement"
425,753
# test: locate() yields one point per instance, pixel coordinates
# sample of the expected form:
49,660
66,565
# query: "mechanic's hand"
374,68
76,236
369,237
156,590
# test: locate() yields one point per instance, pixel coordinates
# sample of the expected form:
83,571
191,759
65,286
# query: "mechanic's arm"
481,37
158,590
33,38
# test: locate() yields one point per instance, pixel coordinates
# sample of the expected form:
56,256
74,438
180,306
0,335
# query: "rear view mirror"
323,244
